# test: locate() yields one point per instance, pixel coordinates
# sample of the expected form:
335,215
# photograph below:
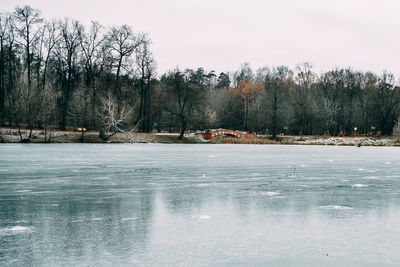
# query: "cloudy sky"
221,34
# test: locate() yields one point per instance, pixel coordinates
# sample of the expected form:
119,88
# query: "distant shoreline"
11,135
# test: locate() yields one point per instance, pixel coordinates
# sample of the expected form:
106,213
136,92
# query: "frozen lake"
130,205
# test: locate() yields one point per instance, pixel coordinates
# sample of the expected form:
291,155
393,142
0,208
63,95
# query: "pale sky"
221,34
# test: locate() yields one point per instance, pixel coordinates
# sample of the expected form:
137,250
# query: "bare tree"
47,110
113,121
247,91
146,69
305,78
387,99
186,96
67,50
91,45
277,85
50,38
26,19
121,44
11,69
4,21
365,98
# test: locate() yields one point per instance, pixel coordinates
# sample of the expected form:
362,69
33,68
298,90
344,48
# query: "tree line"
60,74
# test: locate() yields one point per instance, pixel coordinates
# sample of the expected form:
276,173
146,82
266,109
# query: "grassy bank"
11,135
311,140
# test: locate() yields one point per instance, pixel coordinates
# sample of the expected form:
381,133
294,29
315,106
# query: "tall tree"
387,100
121,43
246,92
352,87
245,73
12,68
305,79
67,51
92,49
4,21
223,81
327,104
277,85
50,38
365,99
27,20
146,70
187,95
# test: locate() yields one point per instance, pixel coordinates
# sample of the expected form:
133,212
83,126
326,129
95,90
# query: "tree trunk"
10,83
274,119
148,106
183,128
2,87
117,87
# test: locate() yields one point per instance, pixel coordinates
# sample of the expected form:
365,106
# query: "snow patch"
201,217
270,193
18,229
336,207
128,219
359,185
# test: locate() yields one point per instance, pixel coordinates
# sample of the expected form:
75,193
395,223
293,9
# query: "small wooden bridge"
213,133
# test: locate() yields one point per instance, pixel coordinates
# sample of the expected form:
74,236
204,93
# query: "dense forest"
60,74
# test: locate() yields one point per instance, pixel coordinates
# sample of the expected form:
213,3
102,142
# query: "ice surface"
179,205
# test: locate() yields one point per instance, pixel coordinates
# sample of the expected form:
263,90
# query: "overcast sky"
221,34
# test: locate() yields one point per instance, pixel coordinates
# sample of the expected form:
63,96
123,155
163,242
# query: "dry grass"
234,140
10,135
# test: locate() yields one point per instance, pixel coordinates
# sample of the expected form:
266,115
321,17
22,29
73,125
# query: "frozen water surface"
135,205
